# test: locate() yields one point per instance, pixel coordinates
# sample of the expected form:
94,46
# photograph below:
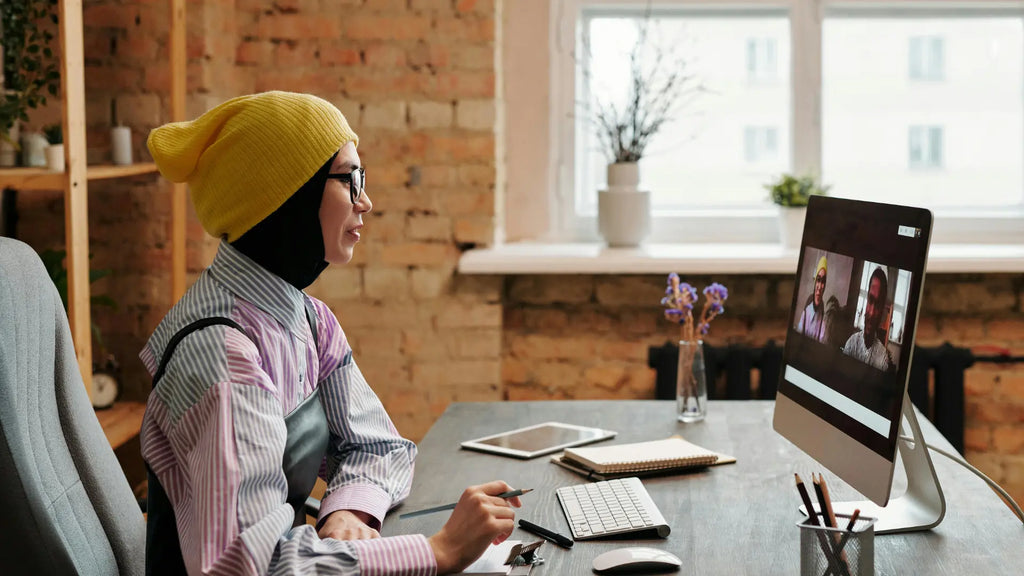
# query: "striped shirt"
214,432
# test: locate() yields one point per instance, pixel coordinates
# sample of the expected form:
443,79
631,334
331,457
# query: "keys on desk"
611,507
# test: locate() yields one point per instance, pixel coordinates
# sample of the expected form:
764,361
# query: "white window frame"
754,224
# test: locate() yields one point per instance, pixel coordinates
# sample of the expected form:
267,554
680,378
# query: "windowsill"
595,258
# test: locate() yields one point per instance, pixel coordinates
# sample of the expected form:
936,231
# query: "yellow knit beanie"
244,158
822,265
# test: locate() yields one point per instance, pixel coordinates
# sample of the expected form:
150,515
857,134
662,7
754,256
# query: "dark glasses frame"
356,180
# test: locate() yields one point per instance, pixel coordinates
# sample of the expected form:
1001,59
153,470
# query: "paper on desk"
493,560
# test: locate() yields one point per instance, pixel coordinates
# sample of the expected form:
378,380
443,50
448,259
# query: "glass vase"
691,382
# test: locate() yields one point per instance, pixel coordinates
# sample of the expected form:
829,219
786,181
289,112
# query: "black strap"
180,335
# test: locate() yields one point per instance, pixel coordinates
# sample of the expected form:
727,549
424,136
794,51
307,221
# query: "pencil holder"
835,551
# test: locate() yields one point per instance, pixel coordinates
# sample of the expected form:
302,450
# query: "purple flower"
717,307
704,328
717,290
672,276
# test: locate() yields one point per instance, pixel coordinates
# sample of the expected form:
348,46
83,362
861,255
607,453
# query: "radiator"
741,372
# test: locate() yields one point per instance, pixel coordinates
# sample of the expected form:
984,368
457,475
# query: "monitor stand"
922,507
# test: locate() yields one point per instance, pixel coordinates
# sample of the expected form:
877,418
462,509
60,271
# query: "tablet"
538,440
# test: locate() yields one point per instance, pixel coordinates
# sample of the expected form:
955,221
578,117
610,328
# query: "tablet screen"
540,439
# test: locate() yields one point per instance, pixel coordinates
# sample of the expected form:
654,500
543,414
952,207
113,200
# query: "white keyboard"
611,507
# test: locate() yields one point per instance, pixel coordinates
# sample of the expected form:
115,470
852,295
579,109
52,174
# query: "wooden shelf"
121,422
43,179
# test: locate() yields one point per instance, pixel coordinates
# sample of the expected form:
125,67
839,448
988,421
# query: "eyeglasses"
820,278
356,180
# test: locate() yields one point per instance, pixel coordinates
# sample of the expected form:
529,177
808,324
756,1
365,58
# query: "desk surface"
732,519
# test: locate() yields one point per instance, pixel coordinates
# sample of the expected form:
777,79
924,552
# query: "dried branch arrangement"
660,83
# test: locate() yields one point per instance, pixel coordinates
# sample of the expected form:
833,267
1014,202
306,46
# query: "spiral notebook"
641,458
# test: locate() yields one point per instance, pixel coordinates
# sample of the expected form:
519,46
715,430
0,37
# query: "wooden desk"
733,519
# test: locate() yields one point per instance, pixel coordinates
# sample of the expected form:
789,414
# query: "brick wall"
417,80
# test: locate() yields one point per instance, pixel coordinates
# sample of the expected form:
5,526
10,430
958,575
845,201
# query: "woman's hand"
347,525
479,519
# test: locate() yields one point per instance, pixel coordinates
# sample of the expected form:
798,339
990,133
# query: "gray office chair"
65,505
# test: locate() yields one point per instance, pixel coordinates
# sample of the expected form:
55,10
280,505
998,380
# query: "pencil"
442,508
826,503
812,517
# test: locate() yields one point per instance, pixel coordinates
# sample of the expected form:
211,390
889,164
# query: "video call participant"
812,320
868,345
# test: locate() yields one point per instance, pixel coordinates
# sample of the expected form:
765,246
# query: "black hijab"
290,242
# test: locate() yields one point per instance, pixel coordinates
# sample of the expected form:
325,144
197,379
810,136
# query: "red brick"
376,27
467,29
385,56
295,54
459,84
1008,439
258,52
296,27
980,383
110,16
978,439
1009,331
417,254
340,56
475,230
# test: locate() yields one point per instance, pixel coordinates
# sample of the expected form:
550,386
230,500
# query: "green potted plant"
55,151
31,69
791,193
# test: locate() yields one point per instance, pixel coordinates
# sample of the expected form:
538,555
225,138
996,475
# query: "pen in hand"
555,537
510,494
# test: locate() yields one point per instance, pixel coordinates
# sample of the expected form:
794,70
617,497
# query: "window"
901,101
760,144
762,61
925,149
717,149
926,58
924,143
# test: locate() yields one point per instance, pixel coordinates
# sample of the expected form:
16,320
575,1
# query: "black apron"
304,450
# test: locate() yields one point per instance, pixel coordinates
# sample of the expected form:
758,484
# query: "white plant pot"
55,158
791,225
33,150
623,211
8,146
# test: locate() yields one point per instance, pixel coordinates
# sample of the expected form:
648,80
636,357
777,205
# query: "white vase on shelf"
623,210
55,157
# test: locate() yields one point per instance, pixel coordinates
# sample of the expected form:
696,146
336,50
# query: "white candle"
121,145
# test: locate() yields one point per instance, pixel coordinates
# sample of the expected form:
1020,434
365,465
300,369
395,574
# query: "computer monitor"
842,394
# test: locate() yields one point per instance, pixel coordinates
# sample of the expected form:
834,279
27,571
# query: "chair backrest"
66,505
936,383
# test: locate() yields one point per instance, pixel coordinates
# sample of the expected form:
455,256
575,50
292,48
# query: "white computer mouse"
636,560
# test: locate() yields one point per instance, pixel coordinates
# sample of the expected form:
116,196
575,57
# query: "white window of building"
760,144
926,58
762,59
924,147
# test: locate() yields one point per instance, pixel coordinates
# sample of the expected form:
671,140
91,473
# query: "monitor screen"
851,333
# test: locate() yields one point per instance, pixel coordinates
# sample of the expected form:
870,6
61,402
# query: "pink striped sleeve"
396,556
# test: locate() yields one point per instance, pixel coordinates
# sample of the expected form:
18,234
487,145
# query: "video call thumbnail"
855,306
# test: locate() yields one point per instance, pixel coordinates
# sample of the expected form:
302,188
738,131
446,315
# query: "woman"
255,388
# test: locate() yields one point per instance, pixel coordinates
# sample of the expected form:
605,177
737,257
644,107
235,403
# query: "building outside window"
924,147
927,59
762,59
761,143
